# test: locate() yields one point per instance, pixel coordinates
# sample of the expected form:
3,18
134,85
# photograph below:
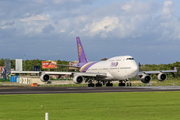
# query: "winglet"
81,54
175,69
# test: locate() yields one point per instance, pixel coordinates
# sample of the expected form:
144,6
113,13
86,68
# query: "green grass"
90,106
4,80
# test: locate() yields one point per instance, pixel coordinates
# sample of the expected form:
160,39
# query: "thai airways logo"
79,49
114,64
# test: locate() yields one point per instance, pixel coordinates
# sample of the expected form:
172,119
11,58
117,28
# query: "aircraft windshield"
130,59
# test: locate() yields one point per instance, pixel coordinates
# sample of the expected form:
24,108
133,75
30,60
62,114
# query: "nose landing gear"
128,82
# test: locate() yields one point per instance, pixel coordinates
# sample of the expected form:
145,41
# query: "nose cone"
134,69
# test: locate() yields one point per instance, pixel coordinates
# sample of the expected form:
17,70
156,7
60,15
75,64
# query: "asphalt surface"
49,90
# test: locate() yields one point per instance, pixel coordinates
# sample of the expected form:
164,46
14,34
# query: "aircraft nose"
135,69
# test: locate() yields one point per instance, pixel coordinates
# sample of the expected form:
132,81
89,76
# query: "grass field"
90,106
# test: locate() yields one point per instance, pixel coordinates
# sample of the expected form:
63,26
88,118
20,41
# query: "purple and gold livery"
81,54
83,63
87,66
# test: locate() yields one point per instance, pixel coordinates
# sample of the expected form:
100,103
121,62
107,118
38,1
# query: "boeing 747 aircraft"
119,68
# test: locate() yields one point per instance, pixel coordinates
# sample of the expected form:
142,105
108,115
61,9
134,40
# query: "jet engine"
162,76
146,78
78,79
44,77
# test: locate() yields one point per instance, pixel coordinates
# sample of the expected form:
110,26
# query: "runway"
51,90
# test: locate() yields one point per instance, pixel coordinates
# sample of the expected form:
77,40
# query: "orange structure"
34,84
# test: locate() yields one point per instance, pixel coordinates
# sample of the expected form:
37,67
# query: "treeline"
28,65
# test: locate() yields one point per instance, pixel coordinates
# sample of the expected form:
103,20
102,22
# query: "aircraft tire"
108,84
121,84
128,84
98,85
90,85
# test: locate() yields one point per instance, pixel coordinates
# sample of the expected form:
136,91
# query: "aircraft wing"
77,76
64,73
157,72
67,65
25,71
77,73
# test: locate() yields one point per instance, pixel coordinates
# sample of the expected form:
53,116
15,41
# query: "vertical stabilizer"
81,54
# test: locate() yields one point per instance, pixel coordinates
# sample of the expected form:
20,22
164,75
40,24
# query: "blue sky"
148,30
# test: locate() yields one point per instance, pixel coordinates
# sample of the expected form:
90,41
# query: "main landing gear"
90,83
121,83
109,84
98,84
125,83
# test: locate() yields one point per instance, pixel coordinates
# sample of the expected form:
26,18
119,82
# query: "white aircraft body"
119,68
116,68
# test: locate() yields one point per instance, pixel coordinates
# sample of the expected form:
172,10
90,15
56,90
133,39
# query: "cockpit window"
130,59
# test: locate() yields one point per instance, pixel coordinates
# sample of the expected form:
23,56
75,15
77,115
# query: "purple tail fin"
81,54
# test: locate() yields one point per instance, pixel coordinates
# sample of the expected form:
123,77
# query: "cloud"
123,20
168,8
133,23
48,29
36,17
107,24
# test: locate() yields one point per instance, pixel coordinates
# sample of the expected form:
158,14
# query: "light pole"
24,62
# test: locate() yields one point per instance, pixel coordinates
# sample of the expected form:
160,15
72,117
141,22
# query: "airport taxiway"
50,90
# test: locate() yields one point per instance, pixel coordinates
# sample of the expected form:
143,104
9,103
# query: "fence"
14,79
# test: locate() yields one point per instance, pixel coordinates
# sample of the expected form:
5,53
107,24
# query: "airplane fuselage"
116,68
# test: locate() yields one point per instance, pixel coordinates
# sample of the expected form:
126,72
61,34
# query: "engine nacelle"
44,77
162,76
146,78
78,79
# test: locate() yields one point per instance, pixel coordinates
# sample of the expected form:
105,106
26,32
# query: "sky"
148,30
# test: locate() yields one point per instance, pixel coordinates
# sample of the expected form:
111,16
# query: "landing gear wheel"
98,85
128,84
91,85
109,84
121,84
